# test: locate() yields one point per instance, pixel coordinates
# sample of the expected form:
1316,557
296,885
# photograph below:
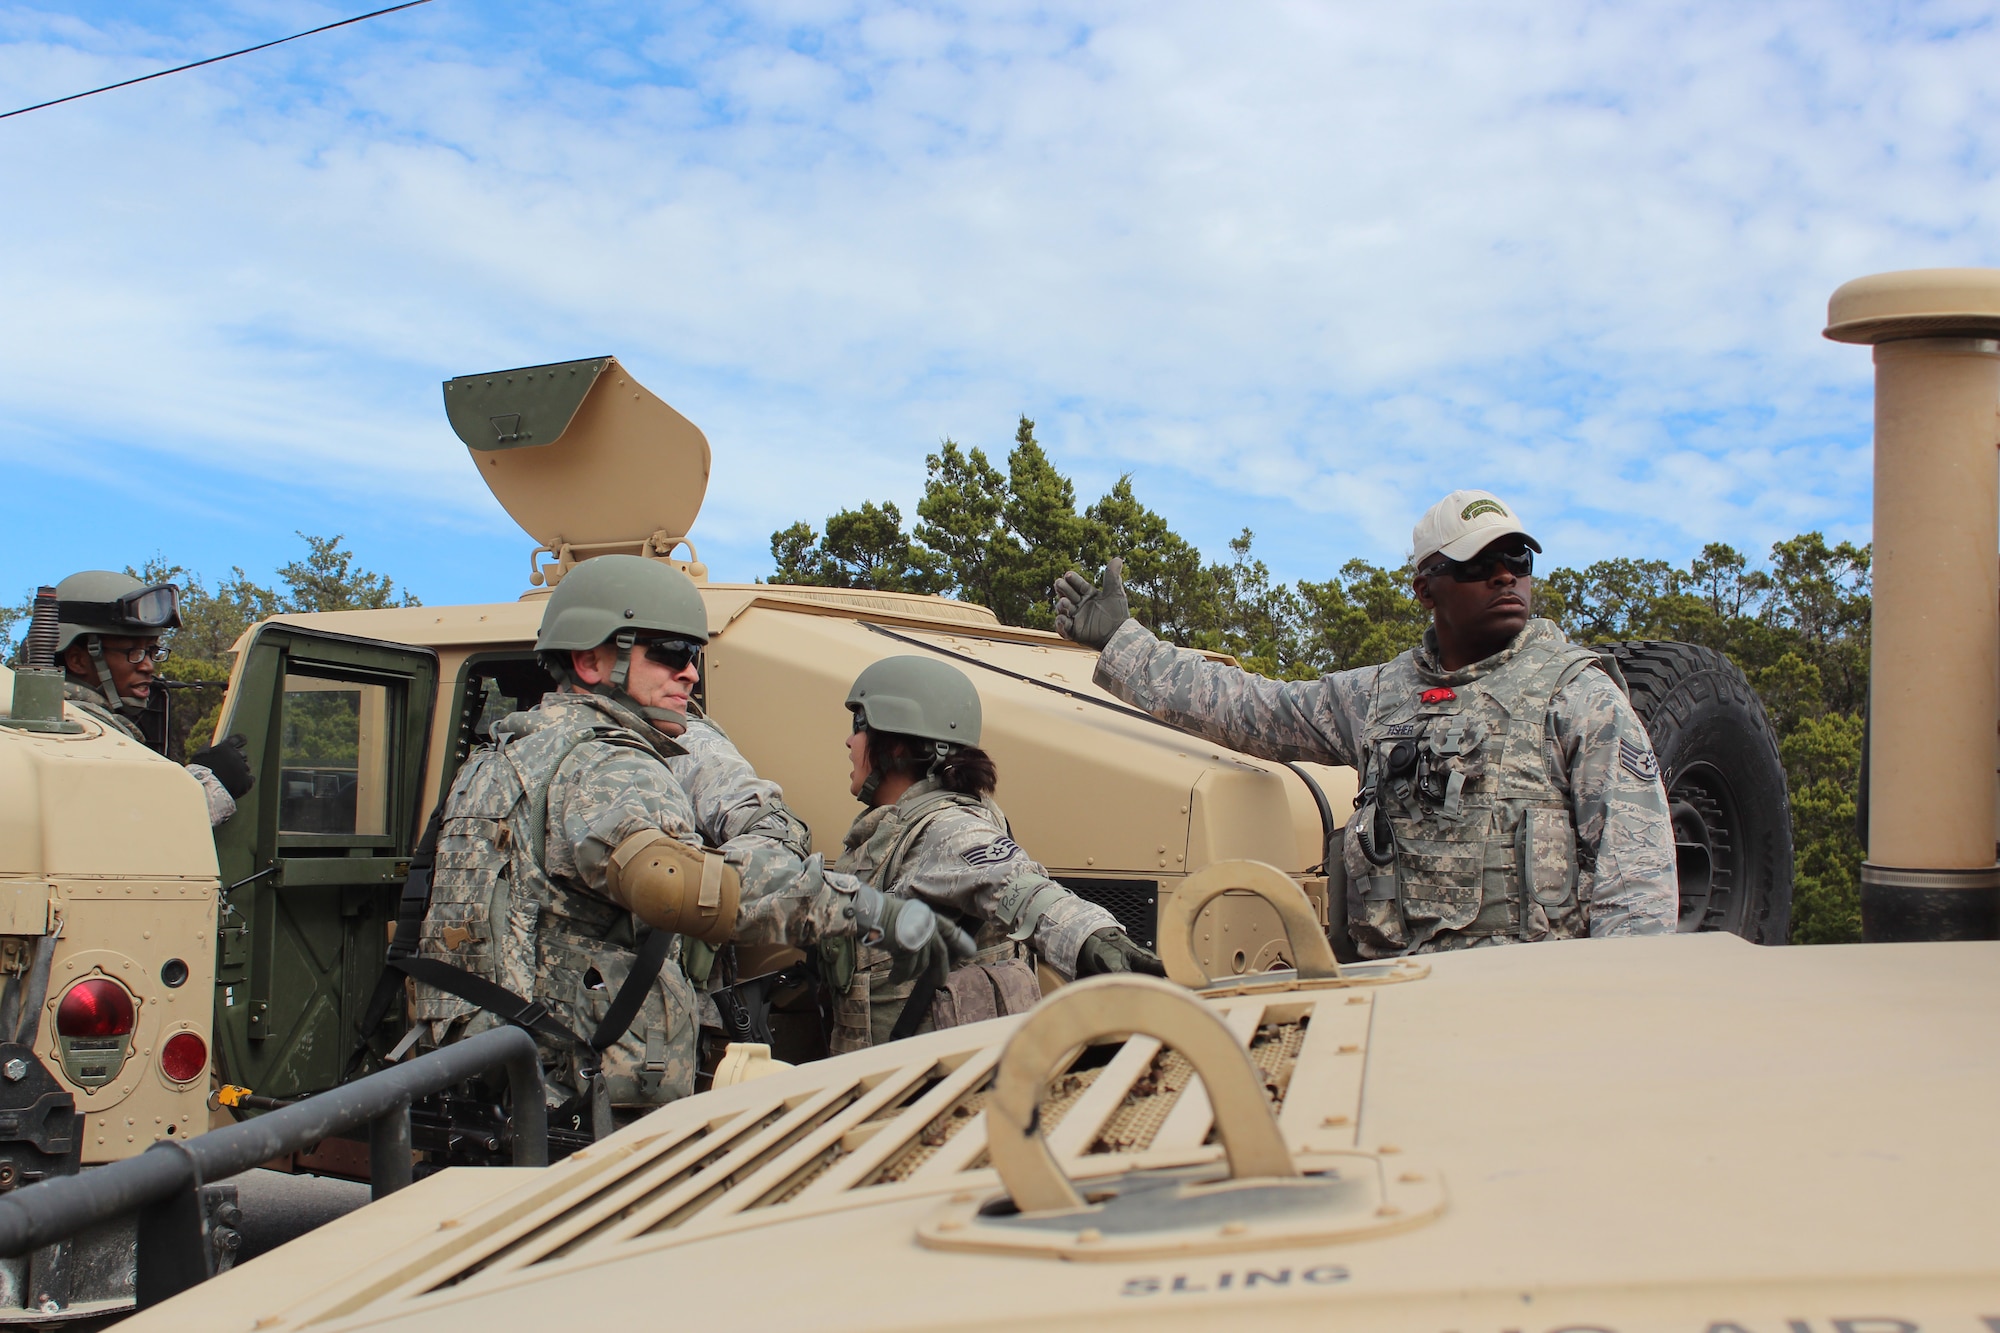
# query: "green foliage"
960,518
322,729
1822,761
864,548
1800,633
1364,615
1164,577
213,619
326,580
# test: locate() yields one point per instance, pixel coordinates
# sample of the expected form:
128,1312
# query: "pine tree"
961,519
1049,537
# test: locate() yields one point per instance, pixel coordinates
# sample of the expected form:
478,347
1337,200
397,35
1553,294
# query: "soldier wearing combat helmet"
570,864
108,642
1508,791
932,832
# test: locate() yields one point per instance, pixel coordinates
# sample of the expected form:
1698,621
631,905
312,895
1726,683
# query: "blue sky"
1300,267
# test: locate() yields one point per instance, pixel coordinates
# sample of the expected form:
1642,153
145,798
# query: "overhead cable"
261,46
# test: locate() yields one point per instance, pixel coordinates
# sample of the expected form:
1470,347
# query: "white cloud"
1315,262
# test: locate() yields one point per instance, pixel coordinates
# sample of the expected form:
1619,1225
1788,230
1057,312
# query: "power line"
261,46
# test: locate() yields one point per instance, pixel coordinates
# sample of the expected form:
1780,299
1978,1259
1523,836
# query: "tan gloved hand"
1089,615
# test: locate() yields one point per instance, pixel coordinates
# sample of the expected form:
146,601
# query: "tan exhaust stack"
1934,684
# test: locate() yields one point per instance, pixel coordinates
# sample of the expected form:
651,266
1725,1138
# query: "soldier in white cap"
1508,791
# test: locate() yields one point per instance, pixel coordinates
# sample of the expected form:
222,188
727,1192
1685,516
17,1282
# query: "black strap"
646,967
496,999
403,961
917,1008
410,909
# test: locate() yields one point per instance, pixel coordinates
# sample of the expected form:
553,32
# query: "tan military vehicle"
366,715
1687,1134
108,900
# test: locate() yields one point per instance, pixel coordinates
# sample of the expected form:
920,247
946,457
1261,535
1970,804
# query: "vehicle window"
334,757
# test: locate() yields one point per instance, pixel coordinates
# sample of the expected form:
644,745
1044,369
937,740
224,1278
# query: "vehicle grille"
1134,902
901,1120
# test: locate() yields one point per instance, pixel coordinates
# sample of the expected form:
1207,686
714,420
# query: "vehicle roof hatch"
585,458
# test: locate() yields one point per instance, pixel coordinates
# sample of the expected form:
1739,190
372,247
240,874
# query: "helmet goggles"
144,611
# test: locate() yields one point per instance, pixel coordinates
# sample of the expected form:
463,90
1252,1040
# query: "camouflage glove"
934,958
1113,951
904,928
229,760
1087,615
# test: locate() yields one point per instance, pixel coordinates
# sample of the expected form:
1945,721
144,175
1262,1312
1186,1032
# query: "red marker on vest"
1438,695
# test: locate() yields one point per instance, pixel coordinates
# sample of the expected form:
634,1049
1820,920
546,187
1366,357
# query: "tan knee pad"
671,885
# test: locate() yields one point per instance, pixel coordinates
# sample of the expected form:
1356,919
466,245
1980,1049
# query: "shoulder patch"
998,852
1638,760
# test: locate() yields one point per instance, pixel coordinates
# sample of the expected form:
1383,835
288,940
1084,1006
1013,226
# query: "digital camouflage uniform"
221,805
959,858
1528,804
548,931
747,817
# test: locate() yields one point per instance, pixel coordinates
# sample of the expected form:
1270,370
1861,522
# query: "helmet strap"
94,644
621,672
621,669
940,751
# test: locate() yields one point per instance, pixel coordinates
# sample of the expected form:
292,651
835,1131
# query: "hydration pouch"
1367,882
1545,852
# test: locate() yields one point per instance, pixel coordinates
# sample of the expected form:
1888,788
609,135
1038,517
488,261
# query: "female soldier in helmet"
932,832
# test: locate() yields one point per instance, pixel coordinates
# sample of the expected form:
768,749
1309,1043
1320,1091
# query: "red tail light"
185,1056
95,1007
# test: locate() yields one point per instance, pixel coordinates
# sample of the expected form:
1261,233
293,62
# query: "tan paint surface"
627,466
1669,1133
111,842
1935,687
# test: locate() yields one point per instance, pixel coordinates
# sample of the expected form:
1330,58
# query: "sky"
1296,267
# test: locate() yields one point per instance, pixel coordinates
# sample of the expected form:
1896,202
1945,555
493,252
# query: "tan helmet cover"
671,885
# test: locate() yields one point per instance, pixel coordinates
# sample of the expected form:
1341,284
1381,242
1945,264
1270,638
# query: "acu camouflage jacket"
1526,803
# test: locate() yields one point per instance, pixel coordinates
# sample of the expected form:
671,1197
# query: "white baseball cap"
1463,524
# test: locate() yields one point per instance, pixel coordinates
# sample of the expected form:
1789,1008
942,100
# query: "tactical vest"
1460,836
496,913
93,703
995,982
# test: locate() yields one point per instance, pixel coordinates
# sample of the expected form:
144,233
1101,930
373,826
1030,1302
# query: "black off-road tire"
1725,787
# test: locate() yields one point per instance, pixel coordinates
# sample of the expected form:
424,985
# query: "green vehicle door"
314,857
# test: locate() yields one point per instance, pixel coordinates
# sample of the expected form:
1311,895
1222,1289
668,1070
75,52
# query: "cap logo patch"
1483,507
1438,695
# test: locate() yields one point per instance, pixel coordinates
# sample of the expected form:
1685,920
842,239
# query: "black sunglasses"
1518,561
673,654
860,720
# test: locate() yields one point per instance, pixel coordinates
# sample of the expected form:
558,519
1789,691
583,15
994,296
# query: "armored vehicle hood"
1679,1133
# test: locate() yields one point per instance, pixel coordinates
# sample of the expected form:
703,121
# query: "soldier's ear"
592,666
1420,587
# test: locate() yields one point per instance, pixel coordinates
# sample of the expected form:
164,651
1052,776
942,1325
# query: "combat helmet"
619,599
916,696
99,602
